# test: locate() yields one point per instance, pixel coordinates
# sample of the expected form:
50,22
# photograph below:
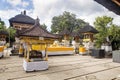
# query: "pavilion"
21,21
88,32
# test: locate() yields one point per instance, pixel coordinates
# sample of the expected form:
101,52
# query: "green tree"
102,24
44,26
2,25
12,33
66,20
114,34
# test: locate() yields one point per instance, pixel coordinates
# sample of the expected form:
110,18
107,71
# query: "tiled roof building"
21,21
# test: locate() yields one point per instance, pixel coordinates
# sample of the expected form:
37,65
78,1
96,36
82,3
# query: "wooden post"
25,54
46,57
28,53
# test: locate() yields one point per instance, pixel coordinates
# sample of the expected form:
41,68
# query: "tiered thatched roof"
88,28
22,18
65,32
37,31
75,34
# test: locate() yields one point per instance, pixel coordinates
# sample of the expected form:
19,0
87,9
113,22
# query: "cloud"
5,15
47,9
18,3
87,11
14,2
24,4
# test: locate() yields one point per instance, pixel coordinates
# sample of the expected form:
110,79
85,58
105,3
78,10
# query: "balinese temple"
28,30
37,37
112,5
88,32
21,21
35,42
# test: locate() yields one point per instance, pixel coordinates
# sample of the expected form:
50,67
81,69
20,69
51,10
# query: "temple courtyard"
65,67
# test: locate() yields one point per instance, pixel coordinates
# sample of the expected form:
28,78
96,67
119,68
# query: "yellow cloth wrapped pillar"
82,50
1,48
20,50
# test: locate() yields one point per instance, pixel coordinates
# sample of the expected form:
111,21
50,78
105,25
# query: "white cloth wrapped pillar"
88,45
107,48
1,54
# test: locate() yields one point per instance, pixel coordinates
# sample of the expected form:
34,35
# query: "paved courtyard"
68,67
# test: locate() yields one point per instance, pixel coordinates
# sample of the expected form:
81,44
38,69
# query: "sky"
47,9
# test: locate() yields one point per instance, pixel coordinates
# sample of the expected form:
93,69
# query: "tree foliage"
44,26
106,29
114,34
102,24
2,25
66,20
12,33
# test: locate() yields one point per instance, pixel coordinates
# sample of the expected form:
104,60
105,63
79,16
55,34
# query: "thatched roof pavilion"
21,21
65,33
22,18
37,34
88,32
88,28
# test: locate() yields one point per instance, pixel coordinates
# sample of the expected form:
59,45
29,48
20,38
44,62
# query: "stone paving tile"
73,67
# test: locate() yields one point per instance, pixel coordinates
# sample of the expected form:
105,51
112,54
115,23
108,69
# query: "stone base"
35,66
116,56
